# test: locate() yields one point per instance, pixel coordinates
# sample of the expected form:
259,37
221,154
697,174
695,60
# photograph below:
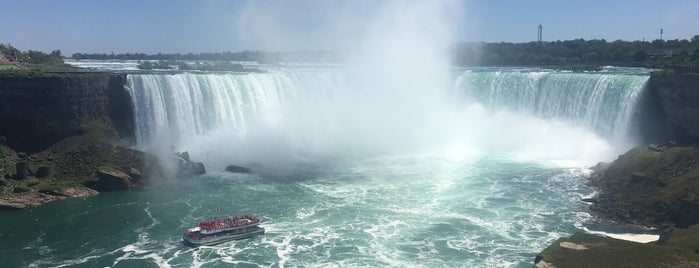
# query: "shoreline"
630,189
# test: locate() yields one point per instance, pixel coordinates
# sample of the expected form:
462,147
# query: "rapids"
484,172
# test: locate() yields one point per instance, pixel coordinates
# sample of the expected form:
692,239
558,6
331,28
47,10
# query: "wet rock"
111,180
135,174
238,169
187,167
12,204
198,168
590,200
184,155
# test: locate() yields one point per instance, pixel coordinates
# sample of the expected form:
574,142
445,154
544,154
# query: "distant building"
540,29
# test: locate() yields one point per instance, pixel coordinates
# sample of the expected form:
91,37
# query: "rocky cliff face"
671,109
37,112
63,135
650,187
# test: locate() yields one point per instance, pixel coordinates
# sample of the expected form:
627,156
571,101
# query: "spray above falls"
311,112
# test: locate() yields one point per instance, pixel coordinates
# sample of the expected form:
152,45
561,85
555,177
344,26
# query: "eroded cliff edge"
670,108
69,135
36,112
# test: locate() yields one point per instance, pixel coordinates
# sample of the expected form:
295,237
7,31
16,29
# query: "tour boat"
217,231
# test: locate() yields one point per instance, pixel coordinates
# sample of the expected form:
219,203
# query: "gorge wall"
36,112
671,110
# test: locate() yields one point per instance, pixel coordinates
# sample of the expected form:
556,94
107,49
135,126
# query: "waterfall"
190,104
327,111
603,102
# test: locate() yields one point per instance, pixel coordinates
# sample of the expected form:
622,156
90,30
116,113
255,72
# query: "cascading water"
485,173
188,104
321,111
603,102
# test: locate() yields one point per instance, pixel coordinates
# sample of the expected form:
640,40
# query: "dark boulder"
184,155
188,168
111,180
21,170
238,169
135,174
198,168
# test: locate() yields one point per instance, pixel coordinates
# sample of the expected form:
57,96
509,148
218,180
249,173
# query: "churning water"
484,172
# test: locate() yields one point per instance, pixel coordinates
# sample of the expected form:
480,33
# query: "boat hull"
221,238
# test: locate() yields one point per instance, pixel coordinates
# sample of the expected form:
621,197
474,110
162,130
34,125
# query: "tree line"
31,56
652,54
676,54
255,56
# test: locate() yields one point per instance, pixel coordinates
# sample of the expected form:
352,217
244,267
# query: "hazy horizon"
215,26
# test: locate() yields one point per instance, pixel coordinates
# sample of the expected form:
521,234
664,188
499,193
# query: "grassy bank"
679,250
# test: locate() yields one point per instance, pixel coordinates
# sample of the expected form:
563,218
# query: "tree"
640,56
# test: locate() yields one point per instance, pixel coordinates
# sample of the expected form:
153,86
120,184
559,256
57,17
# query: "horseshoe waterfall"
484,168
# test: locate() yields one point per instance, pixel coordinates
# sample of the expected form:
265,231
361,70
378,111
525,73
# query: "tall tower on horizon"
661,34
540,29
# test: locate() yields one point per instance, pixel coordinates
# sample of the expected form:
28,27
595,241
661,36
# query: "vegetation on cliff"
586,250
61,136
33,61
64,169
651,187
31,56
79,165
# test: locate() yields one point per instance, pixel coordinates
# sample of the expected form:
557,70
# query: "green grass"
7,164
663,73
8,67
609,252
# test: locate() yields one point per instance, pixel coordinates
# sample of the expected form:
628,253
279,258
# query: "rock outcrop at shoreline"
650,188
81,166
64,135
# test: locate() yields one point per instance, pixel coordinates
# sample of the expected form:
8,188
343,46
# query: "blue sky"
184,26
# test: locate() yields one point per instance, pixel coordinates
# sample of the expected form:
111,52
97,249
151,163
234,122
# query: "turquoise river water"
485,173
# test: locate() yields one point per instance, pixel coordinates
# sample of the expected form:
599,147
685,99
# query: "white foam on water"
638,238
65,263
